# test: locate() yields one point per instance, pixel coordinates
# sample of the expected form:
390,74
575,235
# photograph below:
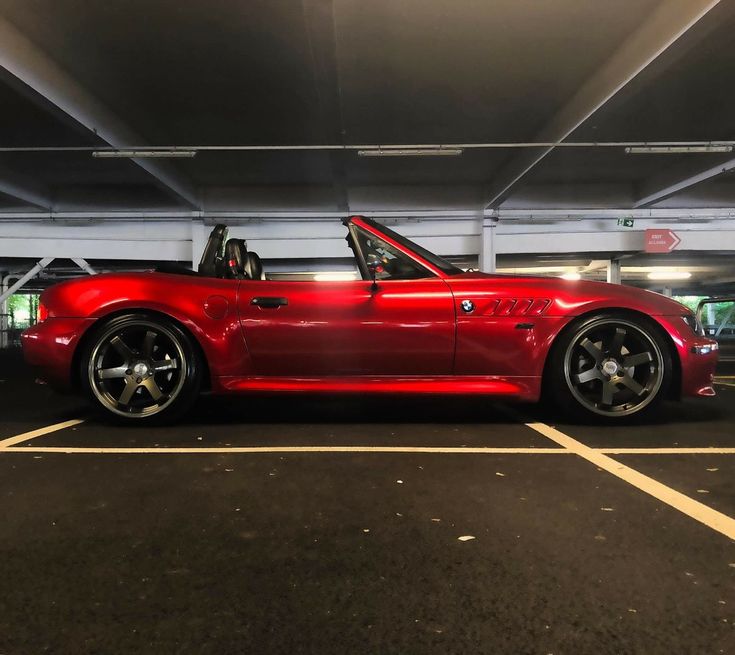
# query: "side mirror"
374,267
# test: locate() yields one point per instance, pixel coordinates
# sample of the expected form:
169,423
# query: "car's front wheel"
140,368
609,366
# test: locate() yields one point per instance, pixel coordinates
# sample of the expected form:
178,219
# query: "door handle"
269,302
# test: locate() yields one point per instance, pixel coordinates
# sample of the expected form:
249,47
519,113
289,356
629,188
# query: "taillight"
42,312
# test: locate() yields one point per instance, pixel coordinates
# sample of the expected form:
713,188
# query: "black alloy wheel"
610,366
139,367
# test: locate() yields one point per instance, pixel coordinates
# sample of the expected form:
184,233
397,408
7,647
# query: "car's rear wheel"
140,368
609,366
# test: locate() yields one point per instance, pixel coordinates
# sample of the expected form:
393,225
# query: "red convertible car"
143,345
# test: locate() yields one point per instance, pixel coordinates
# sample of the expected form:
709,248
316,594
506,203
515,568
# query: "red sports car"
143,345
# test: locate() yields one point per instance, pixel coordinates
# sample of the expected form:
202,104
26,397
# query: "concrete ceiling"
289,72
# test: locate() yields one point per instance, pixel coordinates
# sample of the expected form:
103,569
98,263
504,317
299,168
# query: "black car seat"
236,257
254,267
210,264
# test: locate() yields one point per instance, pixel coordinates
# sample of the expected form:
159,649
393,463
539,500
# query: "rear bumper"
697,355
49,348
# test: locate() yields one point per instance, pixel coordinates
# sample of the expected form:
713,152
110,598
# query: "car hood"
568,297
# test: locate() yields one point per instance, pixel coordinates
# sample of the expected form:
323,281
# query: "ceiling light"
674,150
411,152
669,275
143,154
532,270
571,276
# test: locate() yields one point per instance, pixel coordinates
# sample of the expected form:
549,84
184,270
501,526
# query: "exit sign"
626,222
661,241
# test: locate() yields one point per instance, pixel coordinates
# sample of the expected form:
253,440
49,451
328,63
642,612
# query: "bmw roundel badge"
468,306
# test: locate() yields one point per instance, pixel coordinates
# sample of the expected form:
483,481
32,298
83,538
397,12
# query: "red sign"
661,240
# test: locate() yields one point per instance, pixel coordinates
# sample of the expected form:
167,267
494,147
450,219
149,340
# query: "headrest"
254,267
236,252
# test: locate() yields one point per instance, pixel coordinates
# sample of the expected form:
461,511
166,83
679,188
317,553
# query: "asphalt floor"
363,525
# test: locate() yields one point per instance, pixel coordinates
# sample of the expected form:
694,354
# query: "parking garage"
578,141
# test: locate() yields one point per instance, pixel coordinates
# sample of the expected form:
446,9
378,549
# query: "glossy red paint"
465,333
403,327
445,385
697,370
182,298
49,347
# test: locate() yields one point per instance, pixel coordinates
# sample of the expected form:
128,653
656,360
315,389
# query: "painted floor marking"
713,450
692,508
480,450
27,436
725,384
290,449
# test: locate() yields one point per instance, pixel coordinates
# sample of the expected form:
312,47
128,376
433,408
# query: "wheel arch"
674,389
93,329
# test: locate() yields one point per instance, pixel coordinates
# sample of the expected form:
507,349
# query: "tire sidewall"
192,379
556,389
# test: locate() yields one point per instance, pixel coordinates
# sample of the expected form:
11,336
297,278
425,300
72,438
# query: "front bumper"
697,354
49,347
698,368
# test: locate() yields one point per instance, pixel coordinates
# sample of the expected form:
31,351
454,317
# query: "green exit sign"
626,222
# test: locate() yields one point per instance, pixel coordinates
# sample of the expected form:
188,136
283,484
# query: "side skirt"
521,388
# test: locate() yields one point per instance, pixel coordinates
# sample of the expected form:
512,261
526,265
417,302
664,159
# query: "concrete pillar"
667,291
710,309
487,245
3,318
613,271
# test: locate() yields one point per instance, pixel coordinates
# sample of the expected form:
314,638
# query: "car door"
348,328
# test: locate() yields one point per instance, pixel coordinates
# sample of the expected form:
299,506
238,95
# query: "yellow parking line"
26,436
288,449
692,508
480,450
714,450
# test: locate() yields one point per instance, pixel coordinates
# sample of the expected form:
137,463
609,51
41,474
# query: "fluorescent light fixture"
533,270
571,276
335,277
143,154
674,150
669,275
410,152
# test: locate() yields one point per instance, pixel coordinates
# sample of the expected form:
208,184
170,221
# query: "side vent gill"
517,307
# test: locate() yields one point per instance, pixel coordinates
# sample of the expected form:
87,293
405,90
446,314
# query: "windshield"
442,264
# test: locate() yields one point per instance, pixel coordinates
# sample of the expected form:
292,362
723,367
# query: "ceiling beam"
34,68
664,27
656,189
25,191
320,27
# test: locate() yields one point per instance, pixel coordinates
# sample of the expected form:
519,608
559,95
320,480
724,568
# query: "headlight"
705,349
694,323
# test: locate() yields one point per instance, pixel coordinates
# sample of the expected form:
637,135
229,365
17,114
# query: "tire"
140,369
609,367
